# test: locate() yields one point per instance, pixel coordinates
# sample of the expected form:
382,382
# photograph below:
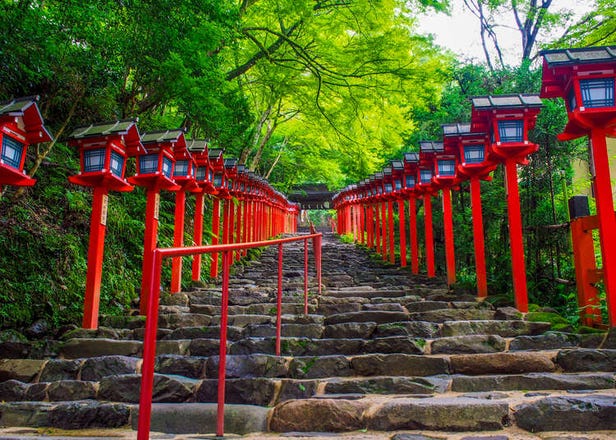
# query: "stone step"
508,328
533,382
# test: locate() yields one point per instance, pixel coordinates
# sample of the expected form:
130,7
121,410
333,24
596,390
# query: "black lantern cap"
215,153
103,129
397,165
411,157
197,145
506,101
456,129
431,147
387,171
162,136
583,55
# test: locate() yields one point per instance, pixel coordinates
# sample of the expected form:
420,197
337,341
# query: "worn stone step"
443,315
503,363
509,328
433,413
377,316
87,347
533,382
366,292
468,344
287,308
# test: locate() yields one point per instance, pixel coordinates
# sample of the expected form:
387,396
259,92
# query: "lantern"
155,167
21,125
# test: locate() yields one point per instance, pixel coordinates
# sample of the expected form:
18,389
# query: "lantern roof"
126,128
215,154
411,157
164,136
430,147
456,129
397,165
241,169
197,145
387,171
520,101
582,55
230,162
26,109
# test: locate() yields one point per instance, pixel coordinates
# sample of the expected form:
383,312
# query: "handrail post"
149,349
279,301
305,276
222,358
317,258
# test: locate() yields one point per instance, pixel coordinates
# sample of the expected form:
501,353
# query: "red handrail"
151,324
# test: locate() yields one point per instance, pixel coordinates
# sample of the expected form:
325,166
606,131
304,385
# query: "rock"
211,332
589,413
493,327
256,365
188,366
386,385
25,414
60,369
443,414
122,321
253,345
11,335
380,317
361,330
178,346
296,389
126,388
37,329
415,437
96,368
398,365
85,415
14,350
468,344
387,307
101,332
36,392
24,370
511,313
200,418
204,347
65,390
547,341
532,381
328,309
505,363
328,415
12,391
453,315
80,348
610,340
587,360
254,391
393,344
320,366
417,329
314,331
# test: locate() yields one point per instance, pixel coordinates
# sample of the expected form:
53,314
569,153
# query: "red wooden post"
390,224
515,237
384,231
429,236
98,220
402,232
197,235
152,205
178,241
413,235
478,234
450,257
215,235
377,227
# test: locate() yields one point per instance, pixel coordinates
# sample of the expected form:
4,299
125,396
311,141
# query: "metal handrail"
151,324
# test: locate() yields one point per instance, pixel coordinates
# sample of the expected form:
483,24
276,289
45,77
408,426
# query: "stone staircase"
381,352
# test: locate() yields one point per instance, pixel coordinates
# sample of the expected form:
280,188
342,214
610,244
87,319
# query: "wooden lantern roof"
124,129
28,116
487,107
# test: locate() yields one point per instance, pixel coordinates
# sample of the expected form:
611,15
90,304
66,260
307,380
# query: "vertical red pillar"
450,257
607,219
515,236
226,219
98,221
377,228
370,226
402,232
391,232
149,244
480,258
429,235
239,219
413,235
215,235
197,235
362,224
178,241
384,230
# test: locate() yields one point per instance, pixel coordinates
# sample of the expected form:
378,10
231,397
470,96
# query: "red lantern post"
154,173
411,162
398,177
103,150
585,79
217,162
21,125
508,119
474,165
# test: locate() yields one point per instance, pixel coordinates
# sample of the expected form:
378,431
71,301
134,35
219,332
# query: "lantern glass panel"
511,131
388,187
210,175
398,183
473,153
117,164
597,92
167,167
217,179
229,184
447,167
181,168
93,160
148,164
425,176
410,182
200,175
12,151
